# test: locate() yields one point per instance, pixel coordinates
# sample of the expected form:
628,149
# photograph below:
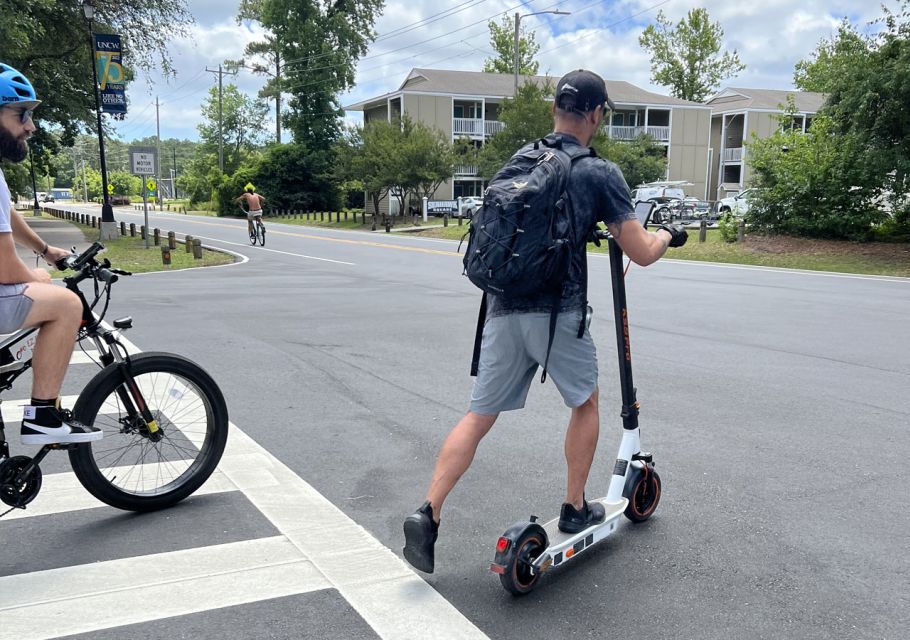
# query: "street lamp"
517,24
107,212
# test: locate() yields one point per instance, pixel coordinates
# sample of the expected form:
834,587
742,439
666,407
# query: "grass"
869,258
129,253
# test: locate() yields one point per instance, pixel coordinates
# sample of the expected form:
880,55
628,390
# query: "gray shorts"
515,345
255,213
14,307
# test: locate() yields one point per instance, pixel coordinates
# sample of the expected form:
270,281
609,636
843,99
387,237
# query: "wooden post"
142,232
703,230
122,228
197,248
156,234
132,229
171,240
445,219
188,243
741,231
322,216
165,255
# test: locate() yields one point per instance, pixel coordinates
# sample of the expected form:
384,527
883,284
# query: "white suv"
738,205
470,204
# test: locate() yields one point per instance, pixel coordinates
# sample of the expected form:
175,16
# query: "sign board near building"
442,206
143,161
111,77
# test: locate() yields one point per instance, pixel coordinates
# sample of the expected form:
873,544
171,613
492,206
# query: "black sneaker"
571,520
50,425
420,533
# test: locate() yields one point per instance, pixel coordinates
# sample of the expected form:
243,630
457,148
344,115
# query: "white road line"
86,598
62,493
331,551
286,253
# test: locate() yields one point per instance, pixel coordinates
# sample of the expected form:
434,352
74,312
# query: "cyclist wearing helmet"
27,297
254,203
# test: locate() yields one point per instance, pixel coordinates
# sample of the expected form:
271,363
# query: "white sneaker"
49,425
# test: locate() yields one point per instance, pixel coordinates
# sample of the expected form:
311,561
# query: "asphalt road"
775,403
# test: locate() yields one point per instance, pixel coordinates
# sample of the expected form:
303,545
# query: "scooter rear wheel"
519,578
644,495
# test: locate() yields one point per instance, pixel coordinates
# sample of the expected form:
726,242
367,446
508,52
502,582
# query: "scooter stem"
623,345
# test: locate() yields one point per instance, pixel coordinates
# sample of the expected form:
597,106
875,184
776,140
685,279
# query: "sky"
770,36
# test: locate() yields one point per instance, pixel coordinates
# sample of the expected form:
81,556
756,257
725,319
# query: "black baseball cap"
582,91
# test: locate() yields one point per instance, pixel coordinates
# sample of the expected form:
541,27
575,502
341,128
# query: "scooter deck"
563,546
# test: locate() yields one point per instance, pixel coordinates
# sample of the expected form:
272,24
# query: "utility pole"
174,149
158,156
278,97
84,183
220,73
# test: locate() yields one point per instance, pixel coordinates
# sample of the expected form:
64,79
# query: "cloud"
770,37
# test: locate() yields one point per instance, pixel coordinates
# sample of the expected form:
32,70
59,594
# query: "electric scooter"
528,549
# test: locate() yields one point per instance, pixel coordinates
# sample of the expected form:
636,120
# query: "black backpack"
520,241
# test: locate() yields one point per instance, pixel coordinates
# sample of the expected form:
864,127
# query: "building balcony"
466,170
733,155
660,134
475,127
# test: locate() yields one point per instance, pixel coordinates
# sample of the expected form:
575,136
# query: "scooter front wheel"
643,493
519,577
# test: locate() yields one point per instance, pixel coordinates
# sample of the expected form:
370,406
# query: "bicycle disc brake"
17,489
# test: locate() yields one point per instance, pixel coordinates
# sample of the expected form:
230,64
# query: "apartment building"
465,104
738,113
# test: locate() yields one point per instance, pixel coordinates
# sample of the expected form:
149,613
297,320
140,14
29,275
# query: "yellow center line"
367,243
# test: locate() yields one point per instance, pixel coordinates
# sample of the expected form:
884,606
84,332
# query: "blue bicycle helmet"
16,89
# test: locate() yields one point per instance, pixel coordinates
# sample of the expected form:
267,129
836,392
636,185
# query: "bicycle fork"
129,393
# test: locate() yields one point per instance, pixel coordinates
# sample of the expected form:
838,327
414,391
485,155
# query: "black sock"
37,402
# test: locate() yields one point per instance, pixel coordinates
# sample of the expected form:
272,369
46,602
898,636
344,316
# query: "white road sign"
144,161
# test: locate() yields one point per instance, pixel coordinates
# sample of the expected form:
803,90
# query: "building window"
658,118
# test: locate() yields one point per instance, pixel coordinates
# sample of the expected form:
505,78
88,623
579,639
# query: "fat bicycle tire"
126,468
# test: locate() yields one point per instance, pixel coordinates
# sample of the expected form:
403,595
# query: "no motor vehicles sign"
143,160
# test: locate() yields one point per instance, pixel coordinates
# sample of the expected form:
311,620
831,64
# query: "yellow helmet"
249,187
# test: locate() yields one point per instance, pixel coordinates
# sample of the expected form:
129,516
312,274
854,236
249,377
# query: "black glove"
678,234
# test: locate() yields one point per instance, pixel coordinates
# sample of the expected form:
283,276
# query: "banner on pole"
110,72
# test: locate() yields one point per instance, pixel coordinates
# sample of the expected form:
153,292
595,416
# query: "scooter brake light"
502,544
497,568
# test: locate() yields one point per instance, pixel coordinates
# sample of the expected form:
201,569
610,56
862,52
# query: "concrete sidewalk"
55,232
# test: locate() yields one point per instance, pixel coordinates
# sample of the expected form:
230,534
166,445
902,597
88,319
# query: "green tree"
687,57
241,125
527,116
320,43
833,59
48,42
377,162
640,160
294,176
867,82
808,185
502,39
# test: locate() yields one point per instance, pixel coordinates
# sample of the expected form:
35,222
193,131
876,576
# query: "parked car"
47,198
738,205
655,191
470,204
119,200
695,209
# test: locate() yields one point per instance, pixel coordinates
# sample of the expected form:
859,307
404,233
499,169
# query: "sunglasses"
24,114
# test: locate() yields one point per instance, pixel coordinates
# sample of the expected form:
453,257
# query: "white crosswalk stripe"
384,591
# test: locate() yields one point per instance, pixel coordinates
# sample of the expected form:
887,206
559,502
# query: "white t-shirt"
6,201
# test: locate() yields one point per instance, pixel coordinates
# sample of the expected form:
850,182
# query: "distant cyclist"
254,202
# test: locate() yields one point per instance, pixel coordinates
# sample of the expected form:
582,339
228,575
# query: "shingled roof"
501,85
736,99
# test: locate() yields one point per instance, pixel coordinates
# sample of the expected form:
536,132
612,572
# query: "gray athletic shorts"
515,345
255,213
14,307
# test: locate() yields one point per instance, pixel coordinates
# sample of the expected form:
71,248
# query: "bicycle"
257,231
164,418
